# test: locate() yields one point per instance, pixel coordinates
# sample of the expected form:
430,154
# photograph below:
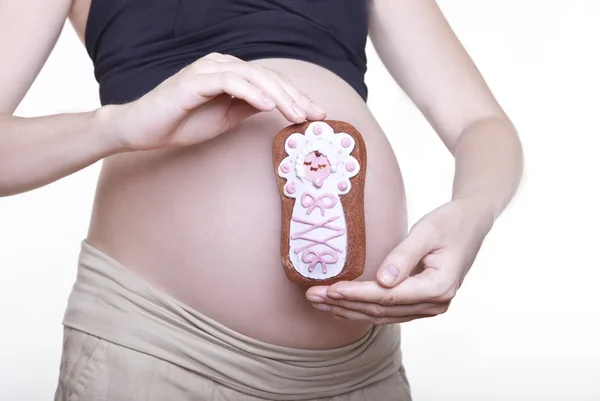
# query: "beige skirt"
124,340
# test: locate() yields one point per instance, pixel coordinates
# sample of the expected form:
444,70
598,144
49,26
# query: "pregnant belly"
203,223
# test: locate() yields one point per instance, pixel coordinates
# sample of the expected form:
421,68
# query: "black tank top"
136,44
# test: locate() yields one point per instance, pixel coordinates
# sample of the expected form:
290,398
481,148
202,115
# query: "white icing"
329,144
321,233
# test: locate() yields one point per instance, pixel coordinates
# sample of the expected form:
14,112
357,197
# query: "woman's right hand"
199,102
205,99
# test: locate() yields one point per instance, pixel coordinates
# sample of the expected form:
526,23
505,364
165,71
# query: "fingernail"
335,295
389,275
268,102
297,110
314,298
317,108
323,307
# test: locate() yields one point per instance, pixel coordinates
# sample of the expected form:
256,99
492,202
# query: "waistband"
111,302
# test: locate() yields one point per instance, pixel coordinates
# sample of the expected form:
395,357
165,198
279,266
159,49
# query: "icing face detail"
315,160
316,167
318,172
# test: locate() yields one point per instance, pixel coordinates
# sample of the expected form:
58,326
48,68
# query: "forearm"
489,165
37,151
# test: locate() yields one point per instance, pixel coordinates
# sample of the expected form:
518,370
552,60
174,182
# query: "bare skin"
196,211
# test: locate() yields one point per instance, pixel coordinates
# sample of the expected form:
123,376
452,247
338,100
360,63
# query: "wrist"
109,130
480,209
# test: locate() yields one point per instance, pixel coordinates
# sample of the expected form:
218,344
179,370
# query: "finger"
223,58
317,293
290,101
313,110
261,78
207,86
239,110
376,321
405,257
377,310
425,287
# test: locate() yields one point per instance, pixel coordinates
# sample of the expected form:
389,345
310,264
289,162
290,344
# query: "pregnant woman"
180,292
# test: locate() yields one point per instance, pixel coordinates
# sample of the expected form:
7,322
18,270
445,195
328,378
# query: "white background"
525,324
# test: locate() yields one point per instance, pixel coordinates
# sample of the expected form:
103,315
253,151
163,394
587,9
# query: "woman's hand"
443,244
206,98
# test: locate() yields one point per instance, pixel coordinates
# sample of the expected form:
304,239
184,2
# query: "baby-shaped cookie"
320,169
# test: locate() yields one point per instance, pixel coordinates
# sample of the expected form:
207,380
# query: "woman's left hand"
443,245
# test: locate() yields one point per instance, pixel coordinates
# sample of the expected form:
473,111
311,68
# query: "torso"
183,219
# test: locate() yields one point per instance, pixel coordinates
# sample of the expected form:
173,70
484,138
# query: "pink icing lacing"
314,257
310,202
313,226
310,256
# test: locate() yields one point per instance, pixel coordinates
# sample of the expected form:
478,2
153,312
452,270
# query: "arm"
421,52
36,151
418,47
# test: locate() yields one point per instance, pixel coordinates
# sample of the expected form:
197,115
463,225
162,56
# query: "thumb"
403,259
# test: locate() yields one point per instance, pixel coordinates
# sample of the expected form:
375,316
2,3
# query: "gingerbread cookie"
320,169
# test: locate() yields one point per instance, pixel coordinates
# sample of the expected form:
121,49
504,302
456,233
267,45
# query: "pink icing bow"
314,257
310,202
